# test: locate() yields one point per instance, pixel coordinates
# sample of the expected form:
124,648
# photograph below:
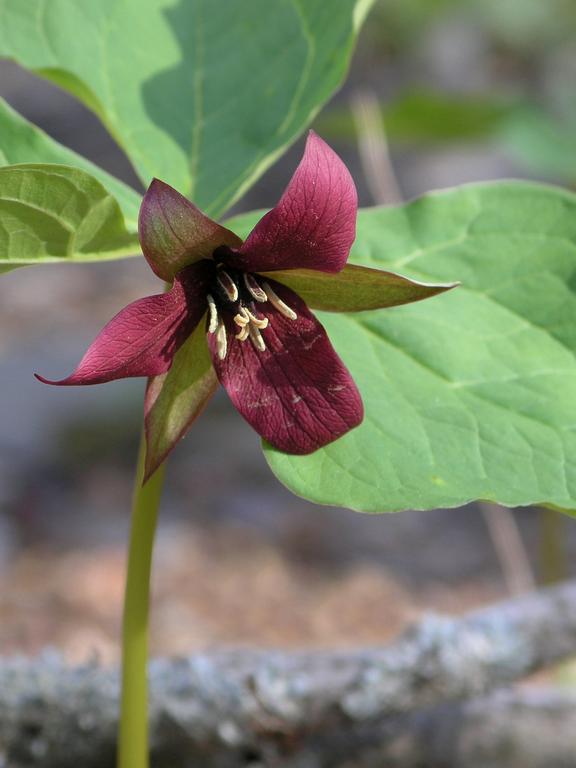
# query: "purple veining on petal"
297,394
314,224
142,338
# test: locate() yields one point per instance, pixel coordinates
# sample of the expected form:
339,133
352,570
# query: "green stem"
133,736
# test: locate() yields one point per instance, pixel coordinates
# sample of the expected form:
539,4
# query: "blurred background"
441,92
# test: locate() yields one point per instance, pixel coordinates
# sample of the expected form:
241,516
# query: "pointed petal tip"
157,183
44,380
54,382
313,137
74,380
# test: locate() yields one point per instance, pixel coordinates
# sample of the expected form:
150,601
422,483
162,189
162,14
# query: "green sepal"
176,398
355,288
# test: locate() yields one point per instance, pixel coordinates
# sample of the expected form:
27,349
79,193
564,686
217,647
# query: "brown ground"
211,588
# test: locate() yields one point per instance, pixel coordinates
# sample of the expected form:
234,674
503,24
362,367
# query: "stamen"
259,322
253,288
242,317
249,326
278,304
240,320
221,341
213,324
227,284
256,338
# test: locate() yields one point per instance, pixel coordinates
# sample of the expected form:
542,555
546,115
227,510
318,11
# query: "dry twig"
305,709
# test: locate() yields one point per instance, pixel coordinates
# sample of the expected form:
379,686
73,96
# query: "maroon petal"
175,233
296,394
143,337
314,224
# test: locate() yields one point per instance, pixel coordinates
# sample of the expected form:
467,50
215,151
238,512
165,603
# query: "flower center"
238,294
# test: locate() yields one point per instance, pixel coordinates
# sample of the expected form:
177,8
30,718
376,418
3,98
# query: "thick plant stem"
133,735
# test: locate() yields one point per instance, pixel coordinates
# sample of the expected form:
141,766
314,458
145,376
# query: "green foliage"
203,95
396,24
527,26
523,26
23,142
427,116
469,395
51,213
542,144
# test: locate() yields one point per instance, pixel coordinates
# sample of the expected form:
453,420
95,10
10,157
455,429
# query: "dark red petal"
143,337
297,394
175,233
314,224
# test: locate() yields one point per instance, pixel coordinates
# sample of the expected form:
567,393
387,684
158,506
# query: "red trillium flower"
250,300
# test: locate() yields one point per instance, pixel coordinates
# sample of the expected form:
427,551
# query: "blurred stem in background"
553,562
510,550
133,735
373,149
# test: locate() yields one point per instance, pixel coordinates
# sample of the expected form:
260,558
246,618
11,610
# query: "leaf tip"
434,289
449,286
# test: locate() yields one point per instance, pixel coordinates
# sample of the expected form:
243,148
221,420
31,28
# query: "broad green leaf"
204,95
542,143
52,213
471,394
23,142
